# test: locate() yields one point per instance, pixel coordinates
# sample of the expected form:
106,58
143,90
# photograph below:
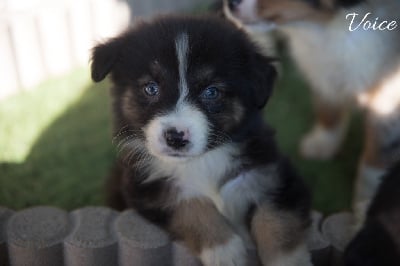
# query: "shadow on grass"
67,165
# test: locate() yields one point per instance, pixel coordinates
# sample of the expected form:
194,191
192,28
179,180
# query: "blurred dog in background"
349,51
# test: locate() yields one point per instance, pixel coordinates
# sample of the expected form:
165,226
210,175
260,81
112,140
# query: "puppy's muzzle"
176,139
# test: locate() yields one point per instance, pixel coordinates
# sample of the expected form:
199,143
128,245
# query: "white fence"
41,38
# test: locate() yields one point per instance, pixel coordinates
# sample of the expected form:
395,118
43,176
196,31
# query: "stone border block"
92,241
35,236
141,243
5,215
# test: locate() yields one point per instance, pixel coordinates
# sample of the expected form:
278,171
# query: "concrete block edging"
100,236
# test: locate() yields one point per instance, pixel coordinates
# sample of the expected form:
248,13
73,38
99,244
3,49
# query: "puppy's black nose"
234,3
175,139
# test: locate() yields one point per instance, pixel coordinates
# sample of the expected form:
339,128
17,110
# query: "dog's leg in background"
324,140
280,238
381,150
207,234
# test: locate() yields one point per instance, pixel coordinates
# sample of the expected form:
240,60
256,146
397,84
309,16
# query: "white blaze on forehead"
182,51
184,117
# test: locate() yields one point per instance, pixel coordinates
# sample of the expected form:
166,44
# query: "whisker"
220,136
131,132
136,154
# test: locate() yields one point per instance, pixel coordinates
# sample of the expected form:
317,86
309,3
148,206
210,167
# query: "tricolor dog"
349,51
196,157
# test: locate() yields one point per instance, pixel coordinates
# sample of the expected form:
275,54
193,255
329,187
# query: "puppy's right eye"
151,89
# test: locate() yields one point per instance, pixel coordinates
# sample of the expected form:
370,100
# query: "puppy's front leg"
207,233
280,237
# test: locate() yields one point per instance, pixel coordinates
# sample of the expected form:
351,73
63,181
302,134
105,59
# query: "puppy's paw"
232,253
320,143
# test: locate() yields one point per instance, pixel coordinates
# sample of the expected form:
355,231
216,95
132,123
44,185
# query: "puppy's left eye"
152,89
210,94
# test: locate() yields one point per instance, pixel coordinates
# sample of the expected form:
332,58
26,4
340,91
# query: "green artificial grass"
55,144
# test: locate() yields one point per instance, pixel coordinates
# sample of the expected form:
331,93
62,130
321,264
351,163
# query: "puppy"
196,157
264,37
347,65
378,242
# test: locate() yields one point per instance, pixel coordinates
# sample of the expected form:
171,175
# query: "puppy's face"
184,86
251,12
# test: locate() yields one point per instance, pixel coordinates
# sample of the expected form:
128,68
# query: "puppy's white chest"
234,197
248,187
205,178
202,177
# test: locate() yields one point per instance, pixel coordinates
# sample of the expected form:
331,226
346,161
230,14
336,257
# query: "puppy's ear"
103,59
264,76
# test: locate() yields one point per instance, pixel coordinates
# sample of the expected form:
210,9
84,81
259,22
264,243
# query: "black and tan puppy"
197,158
378,242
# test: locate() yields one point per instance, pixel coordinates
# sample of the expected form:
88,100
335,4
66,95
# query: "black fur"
376,244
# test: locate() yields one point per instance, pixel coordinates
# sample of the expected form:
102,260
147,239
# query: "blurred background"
42,38
55,129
